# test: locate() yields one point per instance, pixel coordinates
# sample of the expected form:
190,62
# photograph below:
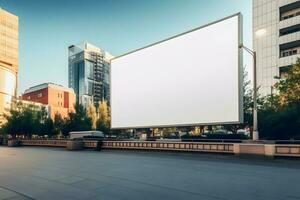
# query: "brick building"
59,99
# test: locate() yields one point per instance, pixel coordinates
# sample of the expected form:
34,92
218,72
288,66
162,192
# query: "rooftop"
88,47
9,13
46,85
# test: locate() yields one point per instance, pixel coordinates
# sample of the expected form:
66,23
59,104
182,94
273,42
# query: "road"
54,173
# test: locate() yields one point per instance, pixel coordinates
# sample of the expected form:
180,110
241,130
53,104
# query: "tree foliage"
280,123
27,120
77,121
247,105
279,117
92,113
58,124
289,87
103,121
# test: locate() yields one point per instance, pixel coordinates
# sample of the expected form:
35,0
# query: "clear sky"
48,27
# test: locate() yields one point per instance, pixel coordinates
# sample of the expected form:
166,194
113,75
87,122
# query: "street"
54,173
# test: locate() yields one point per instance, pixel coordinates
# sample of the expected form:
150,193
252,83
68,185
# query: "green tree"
92,113
47,128
247,105
77,121
103,122
280,123
13,117
289,87
27,119
279,117
58,124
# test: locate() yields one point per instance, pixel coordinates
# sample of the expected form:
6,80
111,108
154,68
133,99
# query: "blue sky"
48,27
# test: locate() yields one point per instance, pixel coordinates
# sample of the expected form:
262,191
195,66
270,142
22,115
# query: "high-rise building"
276,39
9,43
57,99
89,73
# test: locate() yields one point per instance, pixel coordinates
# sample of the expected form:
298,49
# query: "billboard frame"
240,75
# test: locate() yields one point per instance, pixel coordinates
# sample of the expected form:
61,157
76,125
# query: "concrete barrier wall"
287,150
55,143
49,143
170,146
270,150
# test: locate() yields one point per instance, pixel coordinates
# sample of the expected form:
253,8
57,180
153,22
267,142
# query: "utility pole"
255,135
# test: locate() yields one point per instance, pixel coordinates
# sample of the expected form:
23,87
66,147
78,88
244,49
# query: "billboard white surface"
192,78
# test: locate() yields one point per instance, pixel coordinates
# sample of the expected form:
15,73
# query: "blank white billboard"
193,78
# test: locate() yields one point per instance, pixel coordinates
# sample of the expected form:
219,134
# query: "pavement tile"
4,194
54,174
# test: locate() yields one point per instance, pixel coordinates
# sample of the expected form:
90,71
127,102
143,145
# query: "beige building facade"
276,39
9,35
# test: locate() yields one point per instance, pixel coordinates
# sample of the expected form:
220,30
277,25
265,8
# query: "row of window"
289,30
39,96
290,15
10,25
289,10
288,52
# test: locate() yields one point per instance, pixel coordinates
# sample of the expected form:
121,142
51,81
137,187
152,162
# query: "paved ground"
53,173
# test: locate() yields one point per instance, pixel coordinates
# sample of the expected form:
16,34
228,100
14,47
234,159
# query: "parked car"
243,131
86,134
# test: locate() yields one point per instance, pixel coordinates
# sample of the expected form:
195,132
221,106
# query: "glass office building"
89,73
8,60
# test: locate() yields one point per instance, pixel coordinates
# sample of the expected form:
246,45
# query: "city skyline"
115,27
149,99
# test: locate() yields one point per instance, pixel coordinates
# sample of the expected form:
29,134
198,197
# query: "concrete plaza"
54,173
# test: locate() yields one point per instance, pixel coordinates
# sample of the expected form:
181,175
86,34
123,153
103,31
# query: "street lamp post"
255,135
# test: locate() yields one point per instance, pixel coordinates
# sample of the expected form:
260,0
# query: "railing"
48,143
212,140
90,144
287,150
170,146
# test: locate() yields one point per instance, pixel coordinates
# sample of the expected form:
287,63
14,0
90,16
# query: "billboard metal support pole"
255,135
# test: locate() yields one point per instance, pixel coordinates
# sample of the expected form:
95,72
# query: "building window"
289,49
28,97
290,16
289,30
290,10
40,95
283,71
288,52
